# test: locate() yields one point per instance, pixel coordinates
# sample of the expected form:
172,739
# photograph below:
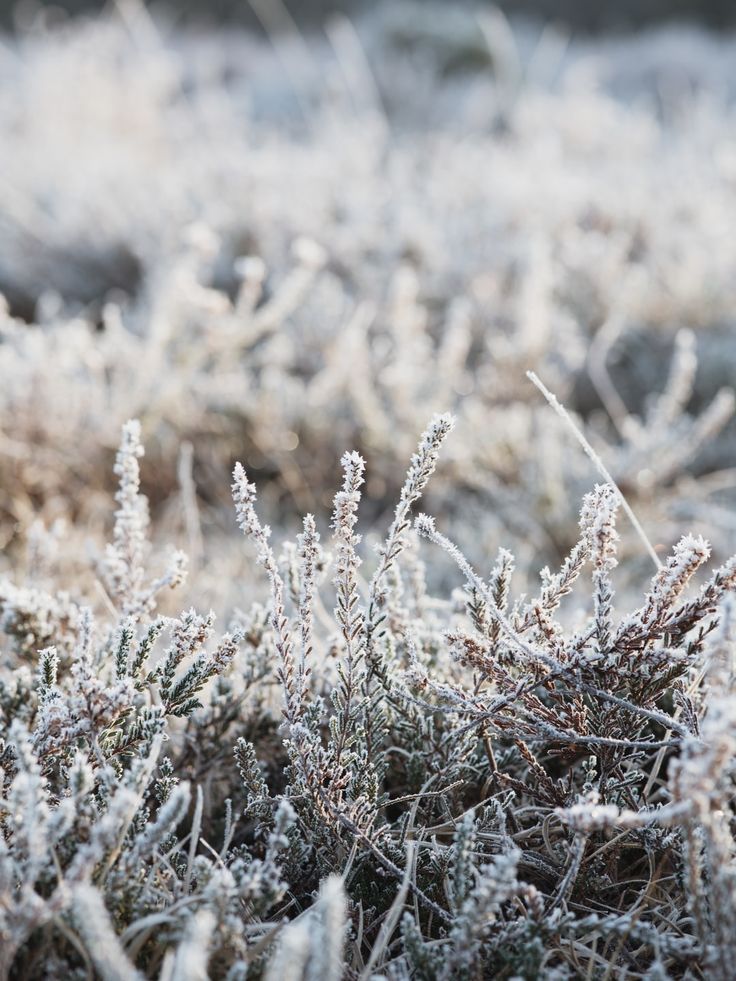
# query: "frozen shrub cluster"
415,786
399,751
283,247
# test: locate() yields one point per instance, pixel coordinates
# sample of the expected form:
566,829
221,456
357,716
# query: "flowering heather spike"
244,495
308,550
47,670
598,522
423,464
688,555
344,518
500,587
124,564
348,612
250,773
123,644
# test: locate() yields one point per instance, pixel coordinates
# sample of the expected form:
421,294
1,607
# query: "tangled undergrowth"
414,786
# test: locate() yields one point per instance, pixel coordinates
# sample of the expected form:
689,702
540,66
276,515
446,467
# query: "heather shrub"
411,787
468,719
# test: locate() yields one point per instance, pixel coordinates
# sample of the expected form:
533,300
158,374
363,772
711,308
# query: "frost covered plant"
405,756
412,787
89,804
504,743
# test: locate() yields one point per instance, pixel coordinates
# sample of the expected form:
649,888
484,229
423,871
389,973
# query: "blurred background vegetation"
580,15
